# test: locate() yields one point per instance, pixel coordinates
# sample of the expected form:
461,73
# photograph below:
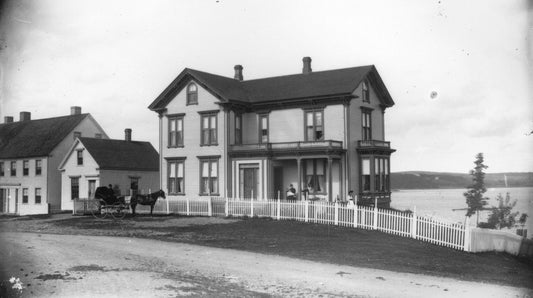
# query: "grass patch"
321,243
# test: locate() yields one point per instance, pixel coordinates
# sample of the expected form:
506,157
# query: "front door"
249,181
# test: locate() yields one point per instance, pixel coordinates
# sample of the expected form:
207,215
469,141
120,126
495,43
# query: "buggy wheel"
98,210
118,211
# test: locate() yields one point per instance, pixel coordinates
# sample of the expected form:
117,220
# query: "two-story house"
323,132
131,167
30,153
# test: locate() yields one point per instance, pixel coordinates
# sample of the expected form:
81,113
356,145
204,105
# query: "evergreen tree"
474,194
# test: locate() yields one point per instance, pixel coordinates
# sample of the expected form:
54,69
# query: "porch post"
299,189
341,180
330,180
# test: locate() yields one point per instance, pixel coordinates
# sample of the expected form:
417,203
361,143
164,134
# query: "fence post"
209,207
279,207
414,223
336,213
375,225
306,211
355,207
468,235
226,207
188,207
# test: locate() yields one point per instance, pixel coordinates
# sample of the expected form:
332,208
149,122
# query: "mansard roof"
321,84
35,138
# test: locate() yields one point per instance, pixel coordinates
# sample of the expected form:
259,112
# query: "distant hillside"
430,180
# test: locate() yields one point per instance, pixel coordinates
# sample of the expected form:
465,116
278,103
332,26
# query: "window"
13,168
314,125
77,134
37,196
175,131
38,167
25,168
24,196
176,177
97,135
366,118
366,91
79,155
192,94
209,176
263,128
2,173
381,174
365,174
74,188
238,129
315,176
209,129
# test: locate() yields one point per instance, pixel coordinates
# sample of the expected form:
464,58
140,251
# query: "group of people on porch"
351,199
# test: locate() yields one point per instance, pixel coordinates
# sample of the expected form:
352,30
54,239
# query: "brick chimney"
25,116
75,110
307,65
127,134
8,119
238,72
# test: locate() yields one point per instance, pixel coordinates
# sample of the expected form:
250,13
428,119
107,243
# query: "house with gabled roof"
30,152
321,132
130,166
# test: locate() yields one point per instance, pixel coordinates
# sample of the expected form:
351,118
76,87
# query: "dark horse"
108,197
149,199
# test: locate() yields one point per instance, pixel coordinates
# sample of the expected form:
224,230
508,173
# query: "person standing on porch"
351,198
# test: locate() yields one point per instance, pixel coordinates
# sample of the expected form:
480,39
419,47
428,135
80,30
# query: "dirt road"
88,266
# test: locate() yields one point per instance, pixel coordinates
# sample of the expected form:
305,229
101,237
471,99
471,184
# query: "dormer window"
192,94
366,92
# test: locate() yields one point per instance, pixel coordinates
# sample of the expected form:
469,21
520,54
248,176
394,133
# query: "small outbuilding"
129,166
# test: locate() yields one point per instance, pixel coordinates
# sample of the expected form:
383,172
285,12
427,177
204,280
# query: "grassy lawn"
329,244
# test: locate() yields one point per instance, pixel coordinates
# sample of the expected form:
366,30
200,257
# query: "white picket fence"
406,224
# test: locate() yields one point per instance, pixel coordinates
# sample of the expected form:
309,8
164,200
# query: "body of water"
440,203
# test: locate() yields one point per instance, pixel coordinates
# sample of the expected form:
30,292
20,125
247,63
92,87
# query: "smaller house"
30,152
130,166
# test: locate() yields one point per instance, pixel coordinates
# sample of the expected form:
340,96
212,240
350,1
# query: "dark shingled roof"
338,82
35,138
122,155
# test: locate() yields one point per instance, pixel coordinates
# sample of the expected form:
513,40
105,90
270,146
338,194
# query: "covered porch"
265,171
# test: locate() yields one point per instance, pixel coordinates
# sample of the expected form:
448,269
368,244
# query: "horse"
149,199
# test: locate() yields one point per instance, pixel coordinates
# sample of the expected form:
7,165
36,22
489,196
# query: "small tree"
502,216
474,194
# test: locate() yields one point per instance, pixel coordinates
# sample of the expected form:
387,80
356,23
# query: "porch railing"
328,144
373,143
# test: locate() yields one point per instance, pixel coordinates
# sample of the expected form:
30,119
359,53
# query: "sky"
113,58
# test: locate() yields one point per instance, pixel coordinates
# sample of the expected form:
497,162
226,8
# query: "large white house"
30,153
130,166
323,132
